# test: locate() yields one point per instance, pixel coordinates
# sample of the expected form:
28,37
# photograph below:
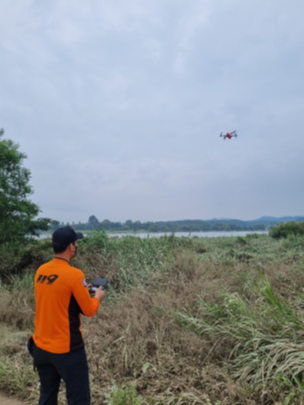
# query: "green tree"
17,213
153,228
136,226
283,230
129,224
106,224
93,222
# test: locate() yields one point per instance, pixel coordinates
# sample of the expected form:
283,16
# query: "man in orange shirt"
62,294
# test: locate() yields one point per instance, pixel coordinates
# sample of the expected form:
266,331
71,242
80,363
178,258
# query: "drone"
229,135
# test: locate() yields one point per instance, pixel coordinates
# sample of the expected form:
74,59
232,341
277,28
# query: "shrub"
123,396
283,230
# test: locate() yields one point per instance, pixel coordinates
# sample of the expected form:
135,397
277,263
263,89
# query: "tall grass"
264,335
133,260
238,342
16,375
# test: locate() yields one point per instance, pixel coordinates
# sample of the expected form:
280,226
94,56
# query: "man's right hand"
100,294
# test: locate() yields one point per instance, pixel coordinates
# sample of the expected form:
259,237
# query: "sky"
119,105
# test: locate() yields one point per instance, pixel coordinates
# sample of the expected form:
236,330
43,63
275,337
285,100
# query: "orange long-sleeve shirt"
61,296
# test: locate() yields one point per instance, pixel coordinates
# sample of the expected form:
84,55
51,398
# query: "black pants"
72,367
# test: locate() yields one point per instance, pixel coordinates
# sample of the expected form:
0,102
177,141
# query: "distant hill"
265,220
281,219
226,223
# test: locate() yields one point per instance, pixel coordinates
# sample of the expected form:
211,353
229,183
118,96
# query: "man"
62,295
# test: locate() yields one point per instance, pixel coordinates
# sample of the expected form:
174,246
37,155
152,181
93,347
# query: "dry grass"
134,339
4,400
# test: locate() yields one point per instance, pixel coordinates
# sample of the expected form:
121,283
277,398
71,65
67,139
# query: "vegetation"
286,229
123,396
166,226
17,213
215,321
226,225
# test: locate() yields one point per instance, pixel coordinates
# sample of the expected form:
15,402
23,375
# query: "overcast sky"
119,106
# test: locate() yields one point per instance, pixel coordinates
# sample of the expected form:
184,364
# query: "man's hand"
100,294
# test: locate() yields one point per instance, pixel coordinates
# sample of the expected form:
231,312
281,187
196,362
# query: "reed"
188,321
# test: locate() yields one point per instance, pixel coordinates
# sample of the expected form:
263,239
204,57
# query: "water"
215,234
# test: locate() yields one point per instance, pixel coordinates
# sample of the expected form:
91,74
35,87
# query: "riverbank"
182,322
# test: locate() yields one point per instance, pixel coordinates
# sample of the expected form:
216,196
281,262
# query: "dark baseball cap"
66,235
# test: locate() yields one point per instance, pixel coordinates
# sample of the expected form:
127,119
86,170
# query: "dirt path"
9,401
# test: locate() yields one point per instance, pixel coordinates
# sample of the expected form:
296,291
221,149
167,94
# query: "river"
211,234
215,234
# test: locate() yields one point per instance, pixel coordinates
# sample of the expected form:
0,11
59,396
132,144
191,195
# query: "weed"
123,396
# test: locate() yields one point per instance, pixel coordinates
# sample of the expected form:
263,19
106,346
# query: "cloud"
120,104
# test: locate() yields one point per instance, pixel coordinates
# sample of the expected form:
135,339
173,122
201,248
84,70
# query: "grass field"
215,321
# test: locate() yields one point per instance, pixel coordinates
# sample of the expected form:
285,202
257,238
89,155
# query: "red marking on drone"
229,135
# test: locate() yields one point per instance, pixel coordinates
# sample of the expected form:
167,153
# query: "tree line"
159,226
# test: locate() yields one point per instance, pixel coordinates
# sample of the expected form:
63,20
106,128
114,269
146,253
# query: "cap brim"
79,235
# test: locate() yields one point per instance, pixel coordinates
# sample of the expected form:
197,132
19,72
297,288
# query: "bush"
283,230
16,258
